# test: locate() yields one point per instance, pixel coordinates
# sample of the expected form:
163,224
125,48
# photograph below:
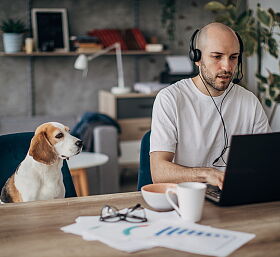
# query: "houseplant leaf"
13,26
261,88
225,19
243,18
277,18
272,47
264,34
232,11
276,78
268,102
250,44
264,17
272,92
215,6
261,78
253,33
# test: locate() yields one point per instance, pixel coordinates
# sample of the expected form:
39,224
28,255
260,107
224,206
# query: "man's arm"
164,170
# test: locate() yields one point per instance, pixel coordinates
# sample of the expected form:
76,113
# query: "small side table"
78,164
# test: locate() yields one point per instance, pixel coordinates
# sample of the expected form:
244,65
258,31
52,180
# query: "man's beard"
208,78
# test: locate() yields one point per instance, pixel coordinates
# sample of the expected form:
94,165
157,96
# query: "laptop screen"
253,169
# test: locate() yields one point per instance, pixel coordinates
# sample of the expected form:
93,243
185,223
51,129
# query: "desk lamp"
81,63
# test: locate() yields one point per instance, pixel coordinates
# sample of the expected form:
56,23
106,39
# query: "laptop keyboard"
213,191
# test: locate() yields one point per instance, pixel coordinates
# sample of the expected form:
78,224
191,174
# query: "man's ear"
42,150
198,63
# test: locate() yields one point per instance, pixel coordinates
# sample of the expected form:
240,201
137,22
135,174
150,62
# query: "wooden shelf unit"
132,111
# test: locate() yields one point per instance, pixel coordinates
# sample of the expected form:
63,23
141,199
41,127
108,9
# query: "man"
194,119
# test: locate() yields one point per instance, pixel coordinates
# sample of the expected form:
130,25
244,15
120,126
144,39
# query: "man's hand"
163,170
215,178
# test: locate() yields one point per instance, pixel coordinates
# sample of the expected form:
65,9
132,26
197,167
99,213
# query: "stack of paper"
149,87
163,229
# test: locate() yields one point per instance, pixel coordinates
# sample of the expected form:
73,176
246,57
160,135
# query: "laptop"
253,171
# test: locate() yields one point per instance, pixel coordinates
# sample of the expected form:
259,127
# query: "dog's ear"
42,150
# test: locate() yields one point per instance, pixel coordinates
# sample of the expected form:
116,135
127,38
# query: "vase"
12,42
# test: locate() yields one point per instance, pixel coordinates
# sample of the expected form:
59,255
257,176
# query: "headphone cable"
223,123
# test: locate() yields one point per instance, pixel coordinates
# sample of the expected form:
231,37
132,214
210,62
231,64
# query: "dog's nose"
79,143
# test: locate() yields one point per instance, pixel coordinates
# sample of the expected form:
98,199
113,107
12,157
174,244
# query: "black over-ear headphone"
195,55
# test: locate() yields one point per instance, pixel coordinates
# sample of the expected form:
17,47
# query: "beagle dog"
39,176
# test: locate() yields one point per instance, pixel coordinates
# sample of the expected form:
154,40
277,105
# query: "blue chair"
144,173
13,149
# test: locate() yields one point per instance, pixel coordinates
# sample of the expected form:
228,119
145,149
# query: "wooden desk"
33,229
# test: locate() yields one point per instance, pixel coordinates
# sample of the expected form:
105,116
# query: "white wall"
269,62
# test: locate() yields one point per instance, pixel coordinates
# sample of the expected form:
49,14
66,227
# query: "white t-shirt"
186,122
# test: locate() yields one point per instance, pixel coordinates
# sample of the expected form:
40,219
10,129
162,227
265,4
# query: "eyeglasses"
134,214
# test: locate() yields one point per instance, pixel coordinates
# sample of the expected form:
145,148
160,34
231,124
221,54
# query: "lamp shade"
81,62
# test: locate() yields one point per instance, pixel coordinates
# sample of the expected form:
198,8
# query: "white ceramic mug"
190,199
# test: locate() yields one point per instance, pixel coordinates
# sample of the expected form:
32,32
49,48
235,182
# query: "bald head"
214,33
220,51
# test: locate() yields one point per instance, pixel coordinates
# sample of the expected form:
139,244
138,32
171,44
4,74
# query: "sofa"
106,180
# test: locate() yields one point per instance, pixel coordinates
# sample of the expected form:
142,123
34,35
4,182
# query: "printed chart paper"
163,229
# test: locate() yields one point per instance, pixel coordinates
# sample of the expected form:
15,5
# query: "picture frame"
50,29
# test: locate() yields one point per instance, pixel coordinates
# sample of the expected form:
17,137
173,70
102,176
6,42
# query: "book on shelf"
139,38
84,41
87,39
130,39
135,39
109,37
90,45
89,49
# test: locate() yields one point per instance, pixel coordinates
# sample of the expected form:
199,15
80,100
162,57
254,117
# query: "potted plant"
13,30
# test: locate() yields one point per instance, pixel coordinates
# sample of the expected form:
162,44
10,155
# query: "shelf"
127,52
